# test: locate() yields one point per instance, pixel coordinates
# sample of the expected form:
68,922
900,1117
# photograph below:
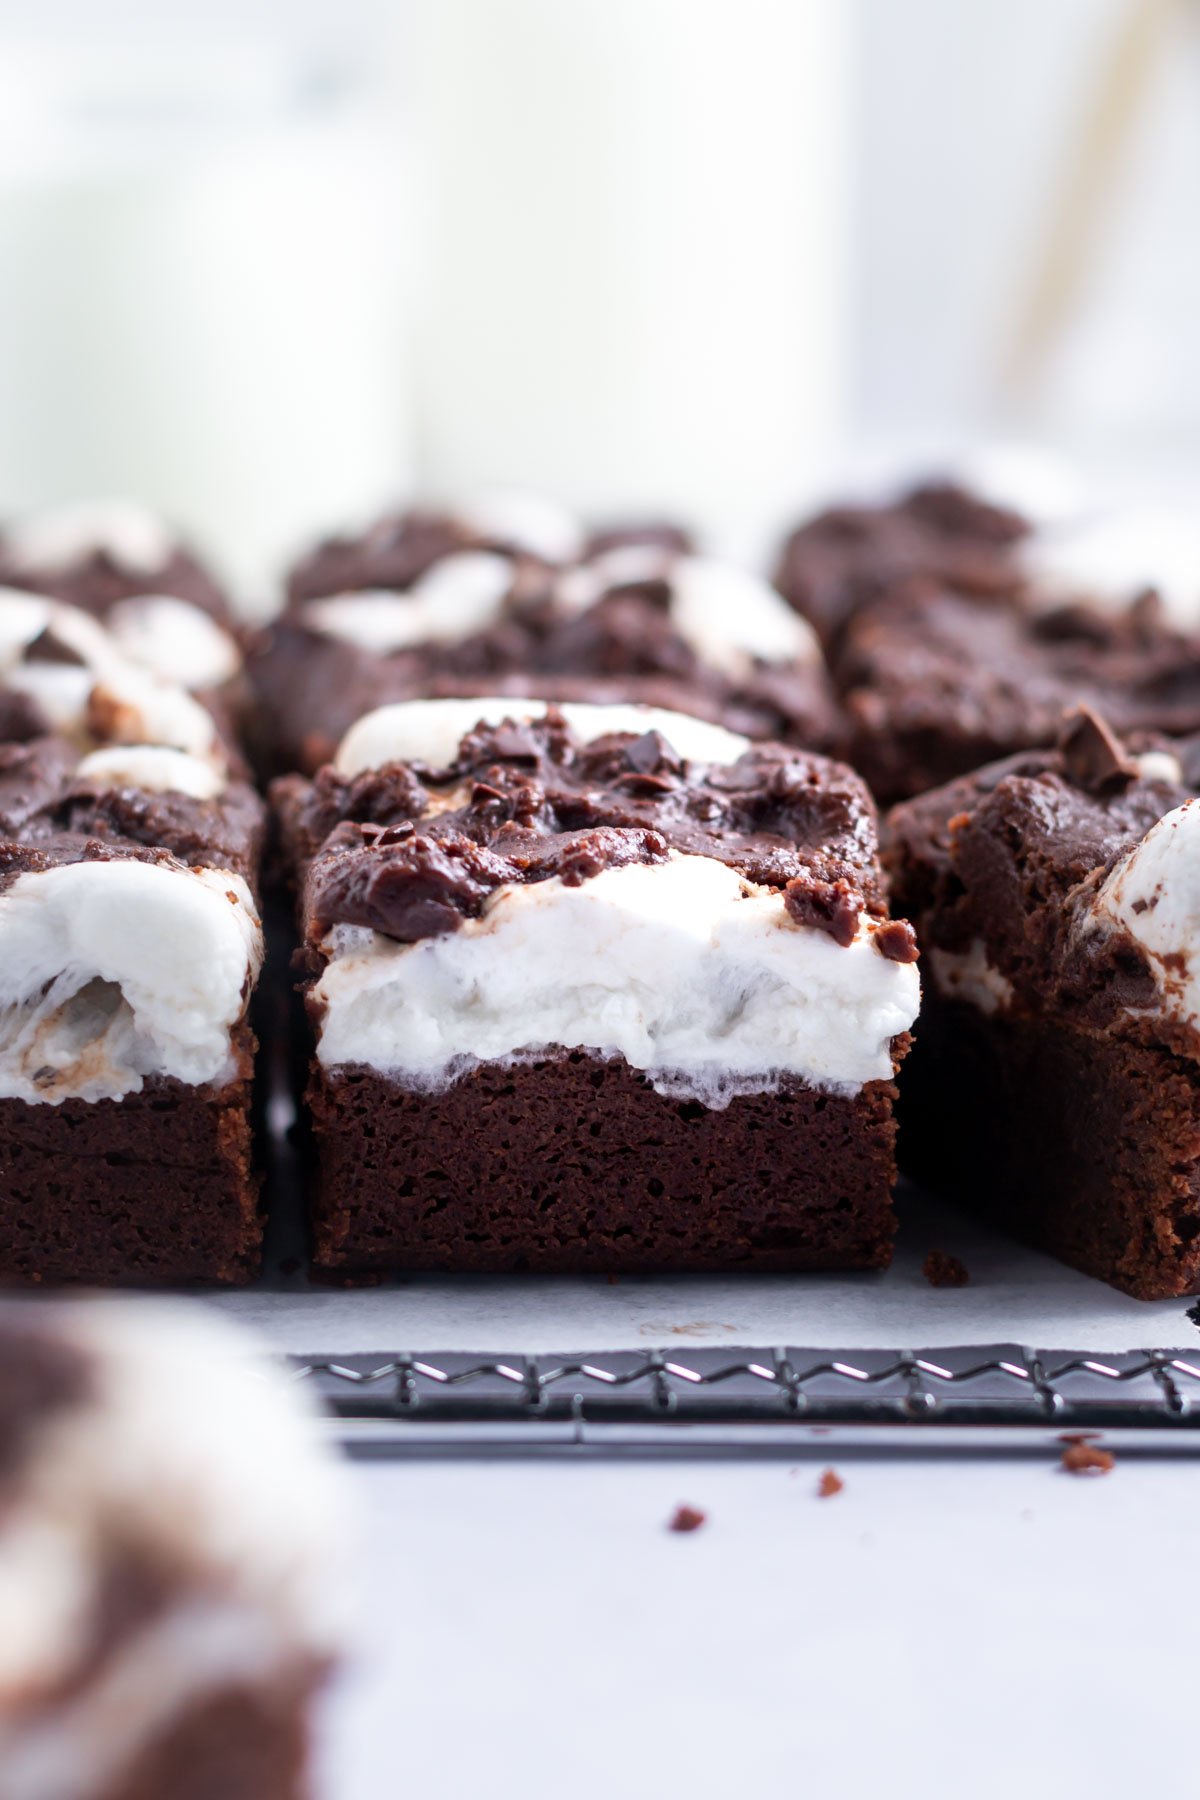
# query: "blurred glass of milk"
198,293
634,289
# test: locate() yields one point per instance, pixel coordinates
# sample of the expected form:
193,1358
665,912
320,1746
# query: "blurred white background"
265,263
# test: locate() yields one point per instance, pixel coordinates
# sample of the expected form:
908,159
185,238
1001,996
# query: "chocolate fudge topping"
394,552
837,563
410,851
938,681
50,813
399,548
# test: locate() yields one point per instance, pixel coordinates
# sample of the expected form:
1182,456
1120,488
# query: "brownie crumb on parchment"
1081,1458
830,1484
687,1518
944,1271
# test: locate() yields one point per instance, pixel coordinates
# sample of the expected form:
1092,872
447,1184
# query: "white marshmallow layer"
730,617
969,975
175,639
459,595
1153,893
684,969
152,769
111,972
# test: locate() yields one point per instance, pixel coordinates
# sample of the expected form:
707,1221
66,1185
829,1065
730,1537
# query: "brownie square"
435,605
594,989
1055,1084
130,946
936,681
838,563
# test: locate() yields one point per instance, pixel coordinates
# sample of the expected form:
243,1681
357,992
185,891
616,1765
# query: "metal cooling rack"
781,1401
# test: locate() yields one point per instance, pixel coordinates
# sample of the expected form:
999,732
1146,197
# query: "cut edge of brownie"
1054,1085
1111,1181
573,1162
157,1188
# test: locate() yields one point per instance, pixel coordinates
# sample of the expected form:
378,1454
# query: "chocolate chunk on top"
1093,756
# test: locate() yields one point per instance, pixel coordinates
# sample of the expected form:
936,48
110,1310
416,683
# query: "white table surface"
969,1628
947,1626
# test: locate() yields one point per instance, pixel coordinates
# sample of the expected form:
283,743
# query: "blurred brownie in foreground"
935,681
130,945
168,1564
1055,1081
630,614
595,988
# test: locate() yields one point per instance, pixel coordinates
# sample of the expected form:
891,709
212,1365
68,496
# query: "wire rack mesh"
772,1396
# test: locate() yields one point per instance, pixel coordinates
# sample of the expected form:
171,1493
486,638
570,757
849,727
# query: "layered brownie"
168,1560
1055,1083
638,618
594,989
936,681
129,949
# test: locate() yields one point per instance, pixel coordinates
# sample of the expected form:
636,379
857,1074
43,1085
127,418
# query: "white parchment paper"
1015,1295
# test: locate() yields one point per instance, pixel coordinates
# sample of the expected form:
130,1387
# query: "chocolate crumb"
687,1518
1087,1459
1093,756
831,906
896,940
944,1271
830,1484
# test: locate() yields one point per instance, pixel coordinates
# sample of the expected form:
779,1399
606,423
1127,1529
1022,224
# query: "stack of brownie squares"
498,745
130,940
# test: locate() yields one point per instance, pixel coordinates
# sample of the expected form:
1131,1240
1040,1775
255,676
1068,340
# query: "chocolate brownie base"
576,1164
155,1188
1084,1144
244,1743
